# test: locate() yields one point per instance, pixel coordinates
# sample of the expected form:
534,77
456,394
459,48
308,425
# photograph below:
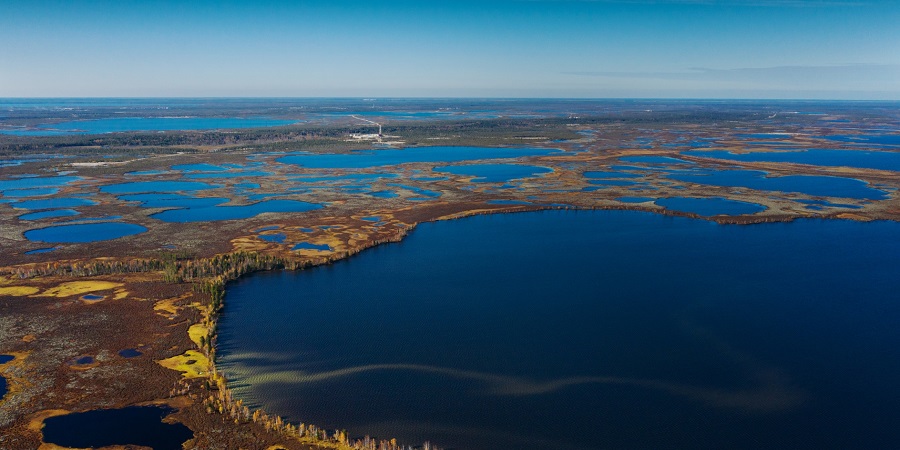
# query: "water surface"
56,202
49,214
819,157
646,331
137,187
84,232
32,192
495,173
213,213
877,140
135,425
37,182
711,206
806,184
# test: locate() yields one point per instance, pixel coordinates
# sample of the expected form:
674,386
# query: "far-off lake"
585,330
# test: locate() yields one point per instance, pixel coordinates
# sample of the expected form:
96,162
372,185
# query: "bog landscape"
452,225
227,279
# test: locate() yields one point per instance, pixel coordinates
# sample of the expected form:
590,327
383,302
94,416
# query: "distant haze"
823,49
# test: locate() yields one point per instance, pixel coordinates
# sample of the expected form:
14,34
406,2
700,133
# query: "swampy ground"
137,231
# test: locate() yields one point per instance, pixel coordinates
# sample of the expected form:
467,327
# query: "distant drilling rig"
368,136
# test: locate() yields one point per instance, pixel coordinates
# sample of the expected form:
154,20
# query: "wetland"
676,274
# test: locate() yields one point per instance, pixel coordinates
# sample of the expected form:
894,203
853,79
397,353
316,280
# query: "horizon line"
361,97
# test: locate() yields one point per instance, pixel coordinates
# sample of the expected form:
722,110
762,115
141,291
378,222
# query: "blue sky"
842,49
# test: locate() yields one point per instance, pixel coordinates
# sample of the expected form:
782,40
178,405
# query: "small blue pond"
818,157
49,214
92,297
173,200
59,202
213,213
38,251
84,232
277,238
32,192
495,173
807,184
37,182
137,187
3,360
309,246
383,194
134,425
388,157
819,203
203,167
709,206
129,353
82,360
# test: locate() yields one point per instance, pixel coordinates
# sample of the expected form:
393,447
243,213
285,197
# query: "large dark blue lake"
585,330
